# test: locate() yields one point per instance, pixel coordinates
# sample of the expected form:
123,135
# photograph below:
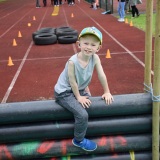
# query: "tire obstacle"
49,35
43,130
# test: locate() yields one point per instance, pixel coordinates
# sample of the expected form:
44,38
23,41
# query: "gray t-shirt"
83,75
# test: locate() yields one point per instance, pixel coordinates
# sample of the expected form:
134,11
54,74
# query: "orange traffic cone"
19,34
29,24
14,42
126,21
131,24
108,55
34,18
10,63
72,15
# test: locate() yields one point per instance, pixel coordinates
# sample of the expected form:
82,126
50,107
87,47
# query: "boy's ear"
78,44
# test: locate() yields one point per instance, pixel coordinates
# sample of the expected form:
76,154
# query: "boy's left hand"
108,98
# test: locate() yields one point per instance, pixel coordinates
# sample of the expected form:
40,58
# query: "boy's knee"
84,116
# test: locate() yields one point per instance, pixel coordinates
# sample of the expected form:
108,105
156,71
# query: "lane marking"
20,67
74,48
64,57
11,12
14,24
73,45
55,11
121,45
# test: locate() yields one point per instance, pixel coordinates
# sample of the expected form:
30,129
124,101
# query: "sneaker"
38,6
86,144
121,20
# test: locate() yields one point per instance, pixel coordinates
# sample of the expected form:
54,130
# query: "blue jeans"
68,101
121,9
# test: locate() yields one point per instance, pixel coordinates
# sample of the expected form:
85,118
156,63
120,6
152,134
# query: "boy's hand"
85,102
108,98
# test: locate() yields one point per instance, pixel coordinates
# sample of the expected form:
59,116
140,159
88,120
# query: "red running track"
36,68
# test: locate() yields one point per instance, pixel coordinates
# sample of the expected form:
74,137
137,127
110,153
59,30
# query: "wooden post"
156,87
148,44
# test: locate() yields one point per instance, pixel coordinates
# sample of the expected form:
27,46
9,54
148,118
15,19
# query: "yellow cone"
34,18
14,42
19,34
10,63
29,24
126,21
131,24
108,55
72,15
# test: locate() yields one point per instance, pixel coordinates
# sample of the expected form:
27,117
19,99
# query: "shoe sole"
84,148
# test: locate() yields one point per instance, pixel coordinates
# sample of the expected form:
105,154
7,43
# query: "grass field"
140,22
2,0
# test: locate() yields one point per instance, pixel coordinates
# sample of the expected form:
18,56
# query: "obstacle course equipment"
49,35
44,130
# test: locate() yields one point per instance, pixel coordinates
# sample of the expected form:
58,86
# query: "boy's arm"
101,75
103,80
72,80
88,90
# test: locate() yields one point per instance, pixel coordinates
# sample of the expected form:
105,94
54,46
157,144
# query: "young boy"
72,91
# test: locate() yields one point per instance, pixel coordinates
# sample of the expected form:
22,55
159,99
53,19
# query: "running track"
36,68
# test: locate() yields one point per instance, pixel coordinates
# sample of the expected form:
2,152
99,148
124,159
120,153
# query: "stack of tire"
49,35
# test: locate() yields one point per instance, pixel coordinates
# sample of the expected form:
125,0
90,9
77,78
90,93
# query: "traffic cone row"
14,44
34,19
131,23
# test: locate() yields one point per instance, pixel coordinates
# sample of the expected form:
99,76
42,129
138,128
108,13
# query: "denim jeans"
121,10
68,101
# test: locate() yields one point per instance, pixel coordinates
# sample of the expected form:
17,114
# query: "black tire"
64,28
66,33
46,29
61,29
45,39
50,31
67,39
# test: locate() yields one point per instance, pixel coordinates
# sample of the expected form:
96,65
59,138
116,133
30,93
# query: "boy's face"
89,44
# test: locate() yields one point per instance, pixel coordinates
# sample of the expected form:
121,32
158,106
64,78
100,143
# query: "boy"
72,91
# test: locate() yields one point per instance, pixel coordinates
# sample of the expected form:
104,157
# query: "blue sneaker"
86,144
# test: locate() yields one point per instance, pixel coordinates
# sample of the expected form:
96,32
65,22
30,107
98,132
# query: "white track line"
73,45
11,13
13,25
65,57
126,49
20,67
74,48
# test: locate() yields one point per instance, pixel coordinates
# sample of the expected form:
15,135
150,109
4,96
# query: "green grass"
140,22
2,0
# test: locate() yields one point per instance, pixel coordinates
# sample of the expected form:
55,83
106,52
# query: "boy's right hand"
84,101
